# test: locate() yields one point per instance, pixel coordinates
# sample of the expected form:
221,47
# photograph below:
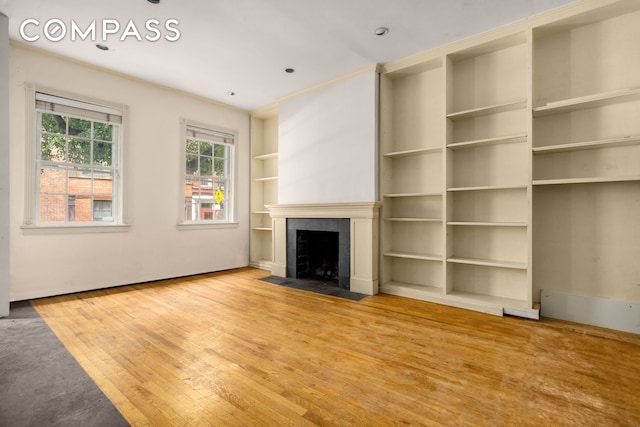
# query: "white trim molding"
364,238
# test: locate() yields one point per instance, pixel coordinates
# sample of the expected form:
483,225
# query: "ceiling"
244,46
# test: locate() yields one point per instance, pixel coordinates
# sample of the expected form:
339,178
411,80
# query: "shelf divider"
413,255
488,263
414,152
589,101
488,224
487,110
588,145
594,180
508,139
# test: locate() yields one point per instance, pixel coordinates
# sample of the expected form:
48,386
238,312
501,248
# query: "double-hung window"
208,178
77,163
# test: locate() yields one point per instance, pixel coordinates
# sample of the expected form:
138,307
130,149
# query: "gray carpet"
313,285
41,384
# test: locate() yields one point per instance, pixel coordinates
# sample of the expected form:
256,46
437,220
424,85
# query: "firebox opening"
317,255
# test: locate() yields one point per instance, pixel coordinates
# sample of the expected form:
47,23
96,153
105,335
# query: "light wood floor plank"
229,349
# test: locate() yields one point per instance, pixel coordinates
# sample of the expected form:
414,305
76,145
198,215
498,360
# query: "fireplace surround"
362,221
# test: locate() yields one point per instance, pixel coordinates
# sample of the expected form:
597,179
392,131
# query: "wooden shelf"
594,180
413,219
489,188
487,110
588,145
414,152
268,156
488,224
508,139
411,255
489,263
412,194
589,101
266,179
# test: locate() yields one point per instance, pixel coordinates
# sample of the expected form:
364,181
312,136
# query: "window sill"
75,229
205,225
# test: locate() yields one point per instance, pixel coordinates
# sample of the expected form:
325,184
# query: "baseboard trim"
596,311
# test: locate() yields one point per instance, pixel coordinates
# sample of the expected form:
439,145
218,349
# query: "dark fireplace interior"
318,248
317,255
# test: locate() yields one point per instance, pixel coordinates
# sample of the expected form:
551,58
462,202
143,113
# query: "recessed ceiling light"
154,1
231,93
102,47
289,70
381,31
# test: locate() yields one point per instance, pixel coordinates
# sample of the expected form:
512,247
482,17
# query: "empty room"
333,213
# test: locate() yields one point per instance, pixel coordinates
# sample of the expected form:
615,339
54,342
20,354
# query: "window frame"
31,221
231,179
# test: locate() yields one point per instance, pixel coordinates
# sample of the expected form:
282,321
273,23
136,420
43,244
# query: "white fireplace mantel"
363,234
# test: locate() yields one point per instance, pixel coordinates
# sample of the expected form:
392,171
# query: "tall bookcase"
488,174
586,153
412,181
510,163
264,184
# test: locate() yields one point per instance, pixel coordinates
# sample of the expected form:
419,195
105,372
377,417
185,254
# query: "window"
77,154
208,186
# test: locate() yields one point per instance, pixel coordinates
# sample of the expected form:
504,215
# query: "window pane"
219,164
192,146
80,151
192,199
220,150
199,199
54,123
53,208
205,148
80,181
192,164
103,210
206,166
53,147
102,131
79,127
79,208
103,183
102,153
53,180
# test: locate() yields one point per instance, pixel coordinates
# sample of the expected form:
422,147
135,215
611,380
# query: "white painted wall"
327,144
4,165
154,248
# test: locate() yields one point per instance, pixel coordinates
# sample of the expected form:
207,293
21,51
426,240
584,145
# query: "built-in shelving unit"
264,184
488,174
412,146
456,216
524,163
586,154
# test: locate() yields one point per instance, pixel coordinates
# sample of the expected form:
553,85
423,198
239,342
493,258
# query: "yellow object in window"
219,196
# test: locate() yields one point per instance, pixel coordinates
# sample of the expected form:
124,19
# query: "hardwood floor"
227,349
